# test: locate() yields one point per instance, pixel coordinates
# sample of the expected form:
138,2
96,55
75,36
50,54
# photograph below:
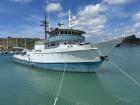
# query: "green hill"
130,41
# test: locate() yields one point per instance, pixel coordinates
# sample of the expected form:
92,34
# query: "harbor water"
24,85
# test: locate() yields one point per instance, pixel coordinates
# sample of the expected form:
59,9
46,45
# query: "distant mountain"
130,41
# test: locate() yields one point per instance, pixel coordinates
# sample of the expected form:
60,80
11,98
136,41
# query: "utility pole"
16,42
7,43
25,43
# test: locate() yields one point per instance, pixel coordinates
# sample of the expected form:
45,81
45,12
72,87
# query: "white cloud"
91,10
117,13
130,30
23,31
33,18
133,28
29,31
136,19
54,7
91,19
117,2
22,1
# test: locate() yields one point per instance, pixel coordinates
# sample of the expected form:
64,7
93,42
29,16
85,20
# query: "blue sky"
21,18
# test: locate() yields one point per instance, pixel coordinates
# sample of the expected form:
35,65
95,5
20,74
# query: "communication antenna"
71,18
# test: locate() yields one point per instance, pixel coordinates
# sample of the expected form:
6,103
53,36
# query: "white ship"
66,47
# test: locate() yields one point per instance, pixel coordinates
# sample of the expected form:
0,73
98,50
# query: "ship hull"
70,67
80,59
87,58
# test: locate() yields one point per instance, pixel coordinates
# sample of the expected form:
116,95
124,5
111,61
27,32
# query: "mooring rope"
61,83
126,74
121,70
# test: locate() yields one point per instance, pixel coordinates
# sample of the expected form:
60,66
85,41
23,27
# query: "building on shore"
13,43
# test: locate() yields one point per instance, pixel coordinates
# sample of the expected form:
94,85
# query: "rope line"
61,83
126,74
122,71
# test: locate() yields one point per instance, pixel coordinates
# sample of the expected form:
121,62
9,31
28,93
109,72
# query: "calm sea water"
23,85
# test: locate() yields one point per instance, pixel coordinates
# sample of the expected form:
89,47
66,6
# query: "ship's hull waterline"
69,67
76,59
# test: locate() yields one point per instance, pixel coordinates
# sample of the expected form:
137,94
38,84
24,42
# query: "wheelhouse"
62,35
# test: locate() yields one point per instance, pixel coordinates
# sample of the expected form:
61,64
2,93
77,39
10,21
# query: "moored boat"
66,47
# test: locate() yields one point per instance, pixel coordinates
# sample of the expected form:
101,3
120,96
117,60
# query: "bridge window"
72,32
52,44
69,32
66,32
62,32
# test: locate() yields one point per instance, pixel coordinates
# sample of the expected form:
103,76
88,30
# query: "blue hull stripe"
73,67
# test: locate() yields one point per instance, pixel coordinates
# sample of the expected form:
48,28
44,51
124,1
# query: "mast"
69,16
45,23
69,19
